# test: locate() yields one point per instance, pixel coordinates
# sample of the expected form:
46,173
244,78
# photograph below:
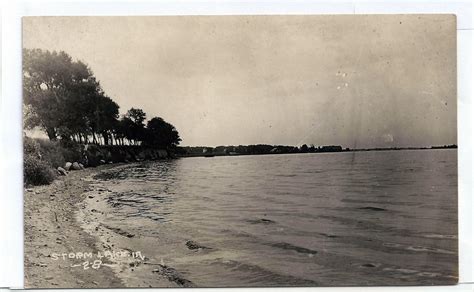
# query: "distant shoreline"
446,147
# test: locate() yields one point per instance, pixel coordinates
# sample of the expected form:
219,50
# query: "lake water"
352,218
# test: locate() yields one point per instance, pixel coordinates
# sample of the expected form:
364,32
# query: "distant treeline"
452,146
63,97
280,149
254,149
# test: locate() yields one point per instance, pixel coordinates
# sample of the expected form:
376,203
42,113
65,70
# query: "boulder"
81,165
102,161
62,171
75,166
162,153
194,245
68,165
141,155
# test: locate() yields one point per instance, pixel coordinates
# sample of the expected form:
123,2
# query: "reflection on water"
365,218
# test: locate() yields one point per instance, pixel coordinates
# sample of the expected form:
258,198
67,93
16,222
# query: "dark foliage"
161,134
254,150
36,170
63,97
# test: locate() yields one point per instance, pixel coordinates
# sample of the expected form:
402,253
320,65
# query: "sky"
359,81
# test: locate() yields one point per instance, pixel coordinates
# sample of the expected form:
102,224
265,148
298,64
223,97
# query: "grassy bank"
41,158
44,159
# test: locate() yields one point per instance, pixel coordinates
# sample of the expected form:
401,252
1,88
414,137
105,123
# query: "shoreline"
76,214
50,227
117,244
53,233
323,152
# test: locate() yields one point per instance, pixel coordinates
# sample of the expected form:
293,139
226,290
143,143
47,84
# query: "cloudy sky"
355,81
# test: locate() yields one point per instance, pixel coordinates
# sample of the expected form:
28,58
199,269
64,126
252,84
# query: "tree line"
256,149
64,98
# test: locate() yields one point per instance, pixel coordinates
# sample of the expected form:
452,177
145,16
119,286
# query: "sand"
56,240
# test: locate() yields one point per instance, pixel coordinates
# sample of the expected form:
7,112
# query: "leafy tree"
58,90
161,134
304,148
30,118
126,127
64,98
121,129
137,116
135,126
103,117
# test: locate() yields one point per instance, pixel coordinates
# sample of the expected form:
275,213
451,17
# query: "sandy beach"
60,253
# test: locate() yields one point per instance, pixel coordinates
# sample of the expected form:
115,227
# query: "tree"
30,118
137,116
103,117
122,130
304,148
161,134
43,86
64,98
59,91
126,129
134,125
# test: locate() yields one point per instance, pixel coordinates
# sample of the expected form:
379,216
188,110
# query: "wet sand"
53,235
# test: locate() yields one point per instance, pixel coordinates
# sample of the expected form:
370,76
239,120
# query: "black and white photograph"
240,151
